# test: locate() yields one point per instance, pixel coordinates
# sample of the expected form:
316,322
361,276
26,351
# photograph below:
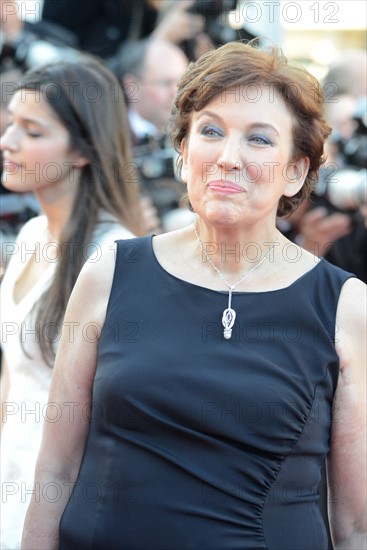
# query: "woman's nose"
9,139
230,157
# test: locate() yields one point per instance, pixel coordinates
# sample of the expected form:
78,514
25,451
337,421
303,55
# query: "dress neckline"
299,279
39,284
33,290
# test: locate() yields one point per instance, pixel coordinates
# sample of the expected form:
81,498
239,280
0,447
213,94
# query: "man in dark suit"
150,86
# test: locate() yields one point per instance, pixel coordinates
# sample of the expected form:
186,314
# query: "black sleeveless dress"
197,442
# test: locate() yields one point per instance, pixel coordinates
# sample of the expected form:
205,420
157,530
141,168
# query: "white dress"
29,376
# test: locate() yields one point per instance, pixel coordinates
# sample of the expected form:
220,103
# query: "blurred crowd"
147,44
333,223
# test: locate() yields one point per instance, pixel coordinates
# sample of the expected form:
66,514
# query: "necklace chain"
230,286
229,315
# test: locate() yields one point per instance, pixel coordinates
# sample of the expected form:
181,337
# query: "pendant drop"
228,319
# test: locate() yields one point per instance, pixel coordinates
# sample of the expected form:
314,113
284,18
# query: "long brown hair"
88,100
239,64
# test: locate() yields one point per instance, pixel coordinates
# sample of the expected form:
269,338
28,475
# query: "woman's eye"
34,134
211,131
261,140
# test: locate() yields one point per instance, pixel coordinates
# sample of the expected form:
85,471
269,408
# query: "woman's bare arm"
71,389
347,465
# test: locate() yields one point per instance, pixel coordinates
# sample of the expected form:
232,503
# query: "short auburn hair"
240,64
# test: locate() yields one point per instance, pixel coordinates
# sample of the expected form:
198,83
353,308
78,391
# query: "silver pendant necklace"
229,314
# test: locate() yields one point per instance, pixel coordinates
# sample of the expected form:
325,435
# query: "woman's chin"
221,215
12,184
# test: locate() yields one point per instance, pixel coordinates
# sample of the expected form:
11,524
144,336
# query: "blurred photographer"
149,71
345,191
207,20
103,25
333,223
25,45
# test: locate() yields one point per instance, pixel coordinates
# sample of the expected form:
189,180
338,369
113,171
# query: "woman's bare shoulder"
101,266
352,307
92,289
351,325
172,242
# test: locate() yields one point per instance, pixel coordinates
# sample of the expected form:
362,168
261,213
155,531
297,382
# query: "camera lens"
348,189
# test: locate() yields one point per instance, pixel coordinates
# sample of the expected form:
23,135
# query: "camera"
155,160
211,9
38,43
346,188
215,26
